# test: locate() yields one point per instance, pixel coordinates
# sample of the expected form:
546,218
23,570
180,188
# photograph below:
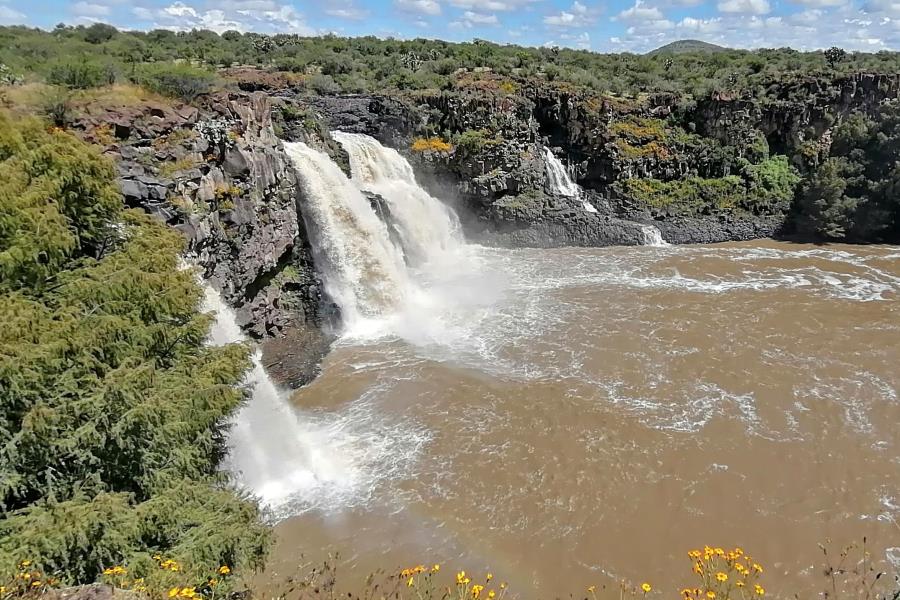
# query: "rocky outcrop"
220,175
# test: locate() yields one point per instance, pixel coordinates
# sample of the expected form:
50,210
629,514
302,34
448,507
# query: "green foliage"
113,411
476,140
854,193
771,185
695,195
181,81
81,74
827,210
57,200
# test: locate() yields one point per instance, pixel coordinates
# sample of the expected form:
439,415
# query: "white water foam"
295,461
364,272
558,180
429,230
652,236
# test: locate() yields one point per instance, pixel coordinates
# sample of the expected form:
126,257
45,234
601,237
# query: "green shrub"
692,195
81,74
113,410
181,81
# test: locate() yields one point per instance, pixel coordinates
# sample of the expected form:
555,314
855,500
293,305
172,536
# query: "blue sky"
607,25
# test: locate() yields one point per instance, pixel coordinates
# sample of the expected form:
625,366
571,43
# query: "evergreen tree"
113,411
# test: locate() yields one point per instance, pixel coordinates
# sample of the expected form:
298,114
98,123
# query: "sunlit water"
568,417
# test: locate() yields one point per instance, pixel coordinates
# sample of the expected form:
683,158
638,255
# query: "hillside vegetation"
113,411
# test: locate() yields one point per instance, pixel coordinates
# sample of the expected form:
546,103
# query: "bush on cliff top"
113,411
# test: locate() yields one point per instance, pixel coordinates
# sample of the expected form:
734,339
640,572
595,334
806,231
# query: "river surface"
572,417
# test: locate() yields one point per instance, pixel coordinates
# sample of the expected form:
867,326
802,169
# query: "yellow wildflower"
224,570
410,582
491,595
435,568
720,576
646,587
419,569
476,591
25,564
35,584
758,590
503,586
757,568
695,554
719,552
405,573
738,551
698,569
460,576
173,592
490,576
687,592
740,584
592,589
711,595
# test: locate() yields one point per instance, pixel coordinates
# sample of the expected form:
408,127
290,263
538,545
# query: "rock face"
498,129
220,175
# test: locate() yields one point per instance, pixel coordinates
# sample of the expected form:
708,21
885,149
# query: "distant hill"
684,46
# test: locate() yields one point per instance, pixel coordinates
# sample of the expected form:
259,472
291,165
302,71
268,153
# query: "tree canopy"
113,410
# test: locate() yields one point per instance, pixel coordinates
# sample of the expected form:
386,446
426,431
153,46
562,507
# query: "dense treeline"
842,192
113,411
368,64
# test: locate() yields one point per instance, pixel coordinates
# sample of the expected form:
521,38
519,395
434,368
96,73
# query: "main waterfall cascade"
429,230
419,289
364,272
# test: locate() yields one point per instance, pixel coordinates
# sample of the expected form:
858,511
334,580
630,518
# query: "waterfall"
364,271
429,230
652,236
272,452
559,182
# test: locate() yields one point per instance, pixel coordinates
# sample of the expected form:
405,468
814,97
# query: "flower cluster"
723,575
27,580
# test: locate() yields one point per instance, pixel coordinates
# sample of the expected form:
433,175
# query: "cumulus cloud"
8,16
639,13
746,7
425,7
470,19
90,9
264,16
492,5
577,16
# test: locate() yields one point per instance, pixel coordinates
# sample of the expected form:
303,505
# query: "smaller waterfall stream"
560,183
652,236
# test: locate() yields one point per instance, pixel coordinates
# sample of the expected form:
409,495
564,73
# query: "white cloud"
581,41
264,16
89,9
346,10
353,14
697,26
9,16
577,16
492,5
470,19
746,7
425,7
821,3
640,13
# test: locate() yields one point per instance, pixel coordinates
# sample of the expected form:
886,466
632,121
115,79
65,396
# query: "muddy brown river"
572,417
